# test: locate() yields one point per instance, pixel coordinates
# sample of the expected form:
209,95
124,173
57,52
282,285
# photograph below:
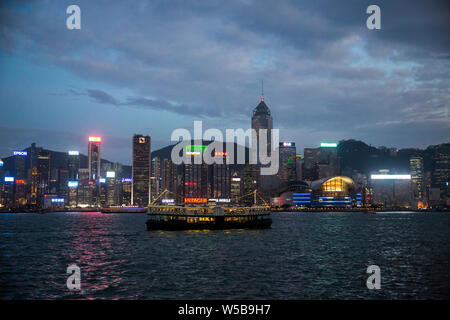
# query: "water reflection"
303,255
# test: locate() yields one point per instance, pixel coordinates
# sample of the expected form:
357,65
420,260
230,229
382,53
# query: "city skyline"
327,77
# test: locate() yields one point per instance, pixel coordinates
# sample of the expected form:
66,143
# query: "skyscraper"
440,174
262,119
141,170
416,168
94,157
219,179
43,167
73,165
288,153
19,164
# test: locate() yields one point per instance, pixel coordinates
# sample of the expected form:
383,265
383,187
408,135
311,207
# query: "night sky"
150,67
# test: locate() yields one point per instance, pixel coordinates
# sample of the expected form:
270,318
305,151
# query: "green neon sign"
328,145
195,148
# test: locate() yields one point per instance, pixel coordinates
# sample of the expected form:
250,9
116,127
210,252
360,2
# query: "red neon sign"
91,182
95,139
218,154
190,183
20,181
195,200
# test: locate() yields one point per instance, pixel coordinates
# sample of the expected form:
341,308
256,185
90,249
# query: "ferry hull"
213,225
124,210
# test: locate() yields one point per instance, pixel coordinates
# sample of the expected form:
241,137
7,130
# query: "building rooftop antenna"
262,90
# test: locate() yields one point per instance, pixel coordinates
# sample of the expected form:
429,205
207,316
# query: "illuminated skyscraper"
1,173
287,169
416,168
262,119
321,162
43,170
73,165
19,164
440,175
219,179
236,184
94,157
141,170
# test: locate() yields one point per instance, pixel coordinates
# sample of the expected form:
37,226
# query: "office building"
94,160
141,170
287,166
73,164
417,176
262,119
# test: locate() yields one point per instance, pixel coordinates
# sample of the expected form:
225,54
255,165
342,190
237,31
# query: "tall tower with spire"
262,119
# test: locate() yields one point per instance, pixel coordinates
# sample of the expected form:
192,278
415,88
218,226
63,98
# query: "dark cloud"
324,71
102,97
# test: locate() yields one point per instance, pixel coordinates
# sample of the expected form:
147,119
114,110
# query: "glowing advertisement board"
195,200
110,174
127,180
390,177
95,139
9,179
195,150
74,153
20,153
328,145
72,184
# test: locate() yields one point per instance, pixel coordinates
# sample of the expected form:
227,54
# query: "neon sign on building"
72,184
328,145
95,139
195,200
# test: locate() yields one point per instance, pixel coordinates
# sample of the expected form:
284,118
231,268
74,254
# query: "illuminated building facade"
417,176
262,119
168,176
299,167
43,166
73,164
236,183
94,159
126,191
219,179
337,191
321,162
155,178
85,187
141,170
20,158
440,175
251,177
287,169
195,180
391,190
8,188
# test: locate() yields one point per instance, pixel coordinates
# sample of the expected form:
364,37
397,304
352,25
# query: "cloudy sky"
153,66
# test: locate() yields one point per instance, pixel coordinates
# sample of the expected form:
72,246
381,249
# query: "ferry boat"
120,209
208,217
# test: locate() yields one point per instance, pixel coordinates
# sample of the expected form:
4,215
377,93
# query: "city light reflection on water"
303,256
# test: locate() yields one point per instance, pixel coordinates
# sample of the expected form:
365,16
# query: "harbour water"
302,256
